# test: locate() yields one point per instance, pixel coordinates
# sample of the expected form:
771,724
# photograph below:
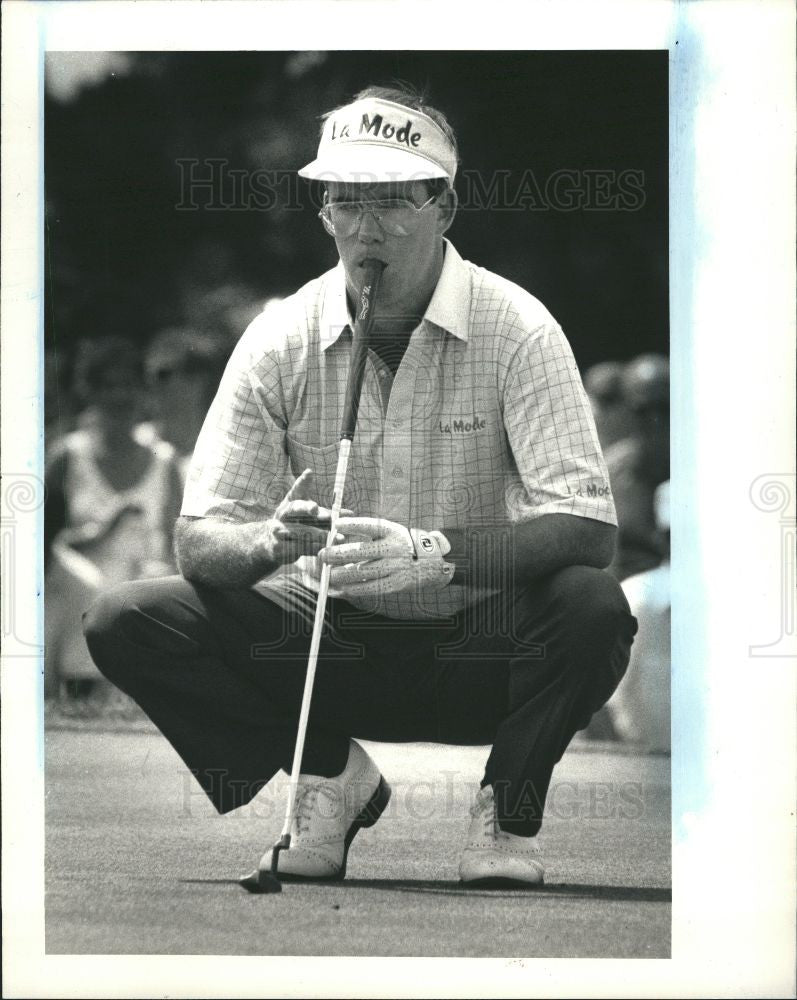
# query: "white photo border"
732,281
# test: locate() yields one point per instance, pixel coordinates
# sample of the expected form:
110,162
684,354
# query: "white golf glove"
386,558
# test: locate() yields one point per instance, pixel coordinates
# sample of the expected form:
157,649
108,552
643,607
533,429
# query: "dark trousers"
221,673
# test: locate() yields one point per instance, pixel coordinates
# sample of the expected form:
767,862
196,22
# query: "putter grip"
362,330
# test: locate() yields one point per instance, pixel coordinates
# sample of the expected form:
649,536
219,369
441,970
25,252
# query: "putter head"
260,881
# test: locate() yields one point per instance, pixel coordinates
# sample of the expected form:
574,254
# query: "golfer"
468,599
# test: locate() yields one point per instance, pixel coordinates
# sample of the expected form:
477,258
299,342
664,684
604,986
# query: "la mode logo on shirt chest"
463,425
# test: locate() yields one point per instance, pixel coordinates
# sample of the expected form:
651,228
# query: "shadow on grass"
431,887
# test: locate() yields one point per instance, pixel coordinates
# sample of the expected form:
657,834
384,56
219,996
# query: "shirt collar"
450,304
449,307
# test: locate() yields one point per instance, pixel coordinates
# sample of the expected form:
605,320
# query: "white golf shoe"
328,814
492,857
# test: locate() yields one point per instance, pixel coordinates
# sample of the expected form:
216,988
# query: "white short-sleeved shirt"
485,422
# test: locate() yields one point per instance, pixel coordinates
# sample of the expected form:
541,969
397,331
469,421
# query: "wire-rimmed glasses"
396,216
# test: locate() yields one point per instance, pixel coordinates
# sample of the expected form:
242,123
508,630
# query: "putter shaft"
362,328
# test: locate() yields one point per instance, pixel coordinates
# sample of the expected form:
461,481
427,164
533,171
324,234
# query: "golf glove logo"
384,557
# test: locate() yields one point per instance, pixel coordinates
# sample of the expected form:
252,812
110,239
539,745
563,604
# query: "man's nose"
370,230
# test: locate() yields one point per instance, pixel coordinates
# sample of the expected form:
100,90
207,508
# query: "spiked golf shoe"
493,857
329,813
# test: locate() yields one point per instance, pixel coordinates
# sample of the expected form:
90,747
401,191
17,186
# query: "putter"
262,881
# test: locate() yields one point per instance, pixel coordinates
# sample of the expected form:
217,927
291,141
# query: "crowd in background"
631,404
121,423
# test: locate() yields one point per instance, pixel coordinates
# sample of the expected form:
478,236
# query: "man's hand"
299,526
387,558
219,553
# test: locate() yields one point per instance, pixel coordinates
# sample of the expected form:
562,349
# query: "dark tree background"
123,258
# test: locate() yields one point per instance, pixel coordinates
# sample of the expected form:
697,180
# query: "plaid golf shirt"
486,421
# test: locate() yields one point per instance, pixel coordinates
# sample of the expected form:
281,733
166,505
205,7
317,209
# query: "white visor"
376,141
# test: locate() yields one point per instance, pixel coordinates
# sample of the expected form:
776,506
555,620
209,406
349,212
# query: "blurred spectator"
226,308
183,368
58,405
640,707
111,503
640,463
604,385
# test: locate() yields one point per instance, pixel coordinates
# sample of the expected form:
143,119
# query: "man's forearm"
220,553
495,556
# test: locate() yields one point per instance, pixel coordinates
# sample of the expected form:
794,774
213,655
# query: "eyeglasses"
396,216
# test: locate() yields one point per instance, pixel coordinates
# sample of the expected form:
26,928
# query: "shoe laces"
485,807
306,796
491,827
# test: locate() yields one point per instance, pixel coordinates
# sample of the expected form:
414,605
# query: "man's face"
653,422
117,396
412,261
180,399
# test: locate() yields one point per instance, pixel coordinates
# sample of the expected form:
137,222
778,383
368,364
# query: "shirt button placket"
398,463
